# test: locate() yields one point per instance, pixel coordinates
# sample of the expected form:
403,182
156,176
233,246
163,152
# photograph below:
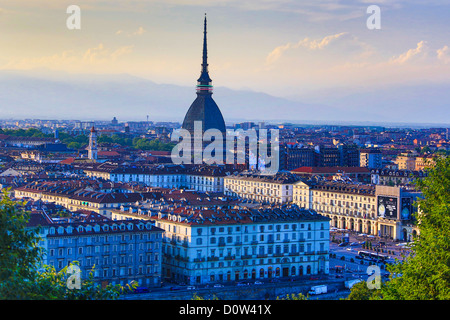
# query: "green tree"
22,274
425,273
293,296
19,253
360,291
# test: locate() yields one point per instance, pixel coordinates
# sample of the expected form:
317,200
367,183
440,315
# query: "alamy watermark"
257,148
374,279
74,280
74,20
374,20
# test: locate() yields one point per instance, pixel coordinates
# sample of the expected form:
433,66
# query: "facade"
221,245
371,158
292,157
75,198
423,163
200,178
359,207
390,177
356,174
406,161
328,157
261,188
117,252
349,155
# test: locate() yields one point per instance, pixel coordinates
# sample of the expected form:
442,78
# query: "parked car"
218,285
240,284
258,282
141,290
191,287
175,288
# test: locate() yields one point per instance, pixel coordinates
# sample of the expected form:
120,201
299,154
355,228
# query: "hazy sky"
282,47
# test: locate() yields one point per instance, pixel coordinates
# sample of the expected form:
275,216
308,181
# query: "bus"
372,256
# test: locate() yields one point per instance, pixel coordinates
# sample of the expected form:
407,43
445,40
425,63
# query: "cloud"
140,31
443,54
98,56
419,51
305,43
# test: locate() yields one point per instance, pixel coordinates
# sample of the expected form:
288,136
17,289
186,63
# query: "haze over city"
316,59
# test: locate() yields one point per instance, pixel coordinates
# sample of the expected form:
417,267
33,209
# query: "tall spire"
204,82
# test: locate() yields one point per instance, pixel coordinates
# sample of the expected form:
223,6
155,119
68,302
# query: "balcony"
278,254
213,258
181,258
309,253
199,259
229,257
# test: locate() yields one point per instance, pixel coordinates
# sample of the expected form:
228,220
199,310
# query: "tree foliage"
425,274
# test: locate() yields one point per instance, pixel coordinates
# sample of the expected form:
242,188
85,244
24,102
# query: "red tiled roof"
67,161
319,170
108,153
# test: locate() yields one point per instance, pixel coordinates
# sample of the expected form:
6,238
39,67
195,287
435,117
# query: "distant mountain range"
47,95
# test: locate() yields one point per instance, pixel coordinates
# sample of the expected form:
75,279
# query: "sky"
285,48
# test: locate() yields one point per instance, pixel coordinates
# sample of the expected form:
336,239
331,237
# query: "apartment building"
116,252
220,245
371,158
73,197
406,161
361,208
261,188
201,178
390,177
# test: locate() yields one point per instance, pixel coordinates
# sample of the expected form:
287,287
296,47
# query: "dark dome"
204,109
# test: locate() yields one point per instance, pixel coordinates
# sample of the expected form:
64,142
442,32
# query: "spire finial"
204,82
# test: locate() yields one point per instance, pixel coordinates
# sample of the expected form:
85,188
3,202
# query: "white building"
375,210
199,178
371,158
262,188
208,246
